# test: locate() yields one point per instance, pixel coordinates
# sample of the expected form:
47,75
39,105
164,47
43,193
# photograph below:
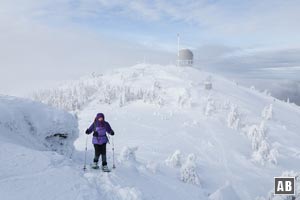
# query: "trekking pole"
86,141
113,150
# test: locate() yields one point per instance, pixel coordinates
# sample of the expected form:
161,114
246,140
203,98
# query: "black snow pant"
100,149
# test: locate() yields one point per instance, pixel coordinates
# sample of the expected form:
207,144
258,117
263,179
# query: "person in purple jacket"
99,128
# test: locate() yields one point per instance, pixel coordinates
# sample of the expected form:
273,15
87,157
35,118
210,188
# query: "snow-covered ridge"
154,84
35,125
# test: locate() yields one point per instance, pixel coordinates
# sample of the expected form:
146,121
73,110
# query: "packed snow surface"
174,138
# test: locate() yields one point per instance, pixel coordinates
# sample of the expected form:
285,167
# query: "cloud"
257,62
275,70
46,41
34,54
238,23
32,57
256,22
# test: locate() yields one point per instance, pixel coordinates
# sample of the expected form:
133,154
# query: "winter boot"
95,165
105,168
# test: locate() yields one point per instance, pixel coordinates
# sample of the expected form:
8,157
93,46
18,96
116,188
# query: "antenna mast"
178,40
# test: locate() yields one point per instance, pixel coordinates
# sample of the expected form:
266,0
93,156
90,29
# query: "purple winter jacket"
100,129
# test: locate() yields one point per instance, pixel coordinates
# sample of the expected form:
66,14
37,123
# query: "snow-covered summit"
155,84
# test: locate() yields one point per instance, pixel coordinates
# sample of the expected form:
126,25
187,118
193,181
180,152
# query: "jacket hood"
99,115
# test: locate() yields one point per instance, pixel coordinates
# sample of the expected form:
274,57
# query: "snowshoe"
95,165
105,168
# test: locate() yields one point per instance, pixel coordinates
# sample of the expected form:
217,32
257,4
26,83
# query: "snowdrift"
37,126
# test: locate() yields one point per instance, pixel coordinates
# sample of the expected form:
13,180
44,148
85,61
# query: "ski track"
224,157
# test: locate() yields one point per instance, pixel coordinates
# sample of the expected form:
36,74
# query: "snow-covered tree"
71,96
188,171
264,154
184,100
262,150
175,160
267,112
210,107
128,154
233,120
256,135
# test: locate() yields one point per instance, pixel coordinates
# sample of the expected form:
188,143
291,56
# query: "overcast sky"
43,42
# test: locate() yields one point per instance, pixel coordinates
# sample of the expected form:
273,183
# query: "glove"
87,131
112,132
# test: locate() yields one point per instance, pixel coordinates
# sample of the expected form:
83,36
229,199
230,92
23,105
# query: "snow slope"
240,138
174,139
